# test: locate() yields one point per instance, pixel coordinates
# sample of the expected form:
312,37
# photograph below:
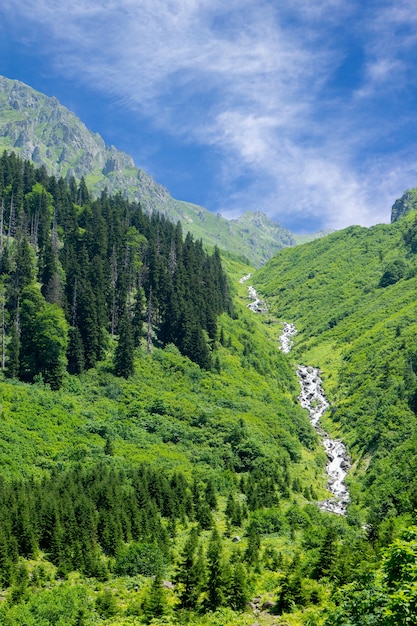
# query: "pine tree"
123,357
24,273
75,352
190,571
155,604
254,544
138,312
210,494
215,568
238,591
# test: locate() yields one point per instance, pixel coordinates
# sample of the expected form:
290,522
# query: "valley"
313,399
164,457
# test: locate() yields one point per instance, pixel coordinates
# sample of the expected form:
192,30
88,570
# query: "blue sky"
304,109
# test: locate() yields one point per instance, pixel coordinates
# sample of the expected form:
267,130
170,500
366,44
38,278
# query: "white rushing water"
313,399
256,305
288,332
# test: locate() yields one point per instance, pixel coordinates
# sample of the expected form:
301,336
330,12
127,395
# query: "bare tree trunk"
74,305
11,221
55,234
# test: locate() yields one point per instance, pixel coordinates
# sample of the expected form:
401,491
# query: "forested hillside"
76,272
352,297
149,426
155,464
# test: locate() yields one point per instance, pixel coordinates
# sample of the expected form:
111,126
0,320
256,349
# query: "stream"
313,399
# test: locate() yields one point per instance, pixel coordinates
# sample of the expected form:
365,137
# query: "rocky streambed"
313,399
256,305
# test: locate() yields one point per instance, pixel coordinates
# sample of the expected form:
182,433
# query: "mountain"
352,298
40,129
405,204
150,429
156,464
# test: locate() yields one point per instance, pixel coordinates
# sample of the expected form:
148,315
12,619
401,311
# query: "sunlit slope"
353,298
240,415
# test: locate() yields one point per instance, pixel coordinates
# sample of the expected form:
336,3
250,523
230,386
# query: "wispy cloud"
254,81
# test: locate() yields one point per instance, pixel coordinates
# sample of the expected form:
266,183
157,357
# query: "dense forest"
77,271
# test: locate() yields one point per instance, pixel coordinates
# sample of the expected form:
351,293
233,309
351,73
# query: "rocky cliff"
405,204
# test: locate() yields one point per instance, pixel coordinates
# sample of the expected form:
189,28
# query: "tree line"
76,271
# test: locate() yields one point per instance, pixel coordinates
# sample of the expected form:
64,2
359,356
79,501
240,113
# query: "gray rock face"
40,129
405,204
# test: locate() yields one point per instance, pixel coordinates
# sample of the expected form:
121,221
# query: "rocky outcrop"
39,128
405,204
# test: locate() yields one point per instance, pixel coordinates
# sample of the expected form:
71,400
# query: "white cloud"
249,78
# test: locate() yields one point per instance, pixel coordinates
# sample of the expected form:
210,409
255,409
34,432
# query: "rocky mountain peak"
405,204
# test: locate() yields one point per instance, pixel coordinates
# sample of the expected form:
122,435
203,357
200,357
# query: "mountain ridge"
38,128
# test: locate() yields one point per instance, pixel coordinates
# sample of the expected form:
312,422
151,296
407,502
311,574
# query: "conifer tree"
138,313
155,604
210,494
123,357
190,571
238,591
215,568
13,351
75,352
254,544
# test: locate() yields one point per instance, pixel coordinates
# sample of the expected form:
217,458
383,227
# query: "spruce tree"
13,351
215,568
190,572
138,314
254,545
155,604
123,357
75,352
238,591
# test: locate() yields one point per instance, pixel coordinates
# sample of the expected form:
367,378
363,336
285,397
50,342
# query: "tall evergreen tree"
215,572
123,357
13,351
190,571
238,590
75,352
155,603
138,313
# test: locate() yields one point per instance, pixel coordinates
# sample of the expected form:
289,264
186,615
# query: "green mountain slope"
39,129
122,459
352,296
102,458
